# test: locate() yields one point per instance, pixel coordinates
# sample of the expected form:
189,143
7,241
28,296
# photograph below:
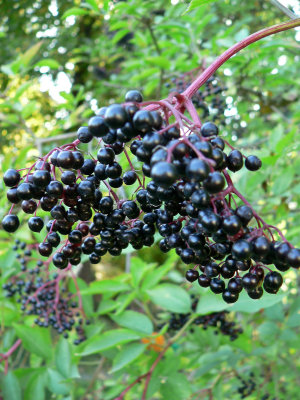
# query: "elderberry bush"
45,295
183,191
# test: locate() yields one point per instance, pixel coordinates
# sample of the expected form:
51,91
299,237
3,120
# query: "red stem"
194,87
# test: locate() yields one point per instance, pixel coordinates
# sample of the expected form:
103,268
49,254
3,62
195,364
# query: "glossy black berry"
230,297
55,189
35,224
209,129
115,116
203,280
260,246
214,183
293,258
164,174
217,285
59,260
65,159
10,223
245,214
25,191
255,293
250,281
143,121
45,249
231,225
84,134
253,163
235,285
134,96
235,160
41,178
11,177
197,170
106,155
191,275
241,250
129,177
98,126
272,282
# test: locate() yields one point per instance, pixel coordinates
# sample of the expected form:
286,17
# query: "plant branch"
194,87
284,9
148,374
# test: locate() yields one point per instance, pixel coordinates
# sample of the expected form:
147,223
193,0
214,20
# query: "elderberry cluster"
209,100
42,297
247,386
189,199
218,320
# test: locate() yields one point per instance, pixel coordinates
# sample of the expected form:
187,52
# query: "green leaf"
48,62
127,355
153,277
108,340
93,5
56,383
210,302
35,387
28,109
119,35
268,331
107,286
138,268
248,305
176,387
36,340
171,297
106,306
30,53
11,389
197,3
74,11
134,320
63,357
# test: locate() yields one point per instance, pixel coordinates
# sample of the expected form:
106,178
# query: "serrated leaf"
134,320
36,340
171,297
74,11
127,355
11,389
108,340
106,286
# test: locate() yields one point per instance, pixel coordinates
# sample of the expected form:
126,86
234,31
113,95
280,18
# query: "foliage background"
60,61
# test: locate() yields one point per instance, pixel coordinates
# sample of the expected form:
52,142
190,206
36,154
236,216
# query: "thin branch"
195,86
284,9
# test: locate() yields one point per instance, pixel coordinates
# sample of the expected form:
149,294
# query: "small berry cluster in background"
46,295
218,320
